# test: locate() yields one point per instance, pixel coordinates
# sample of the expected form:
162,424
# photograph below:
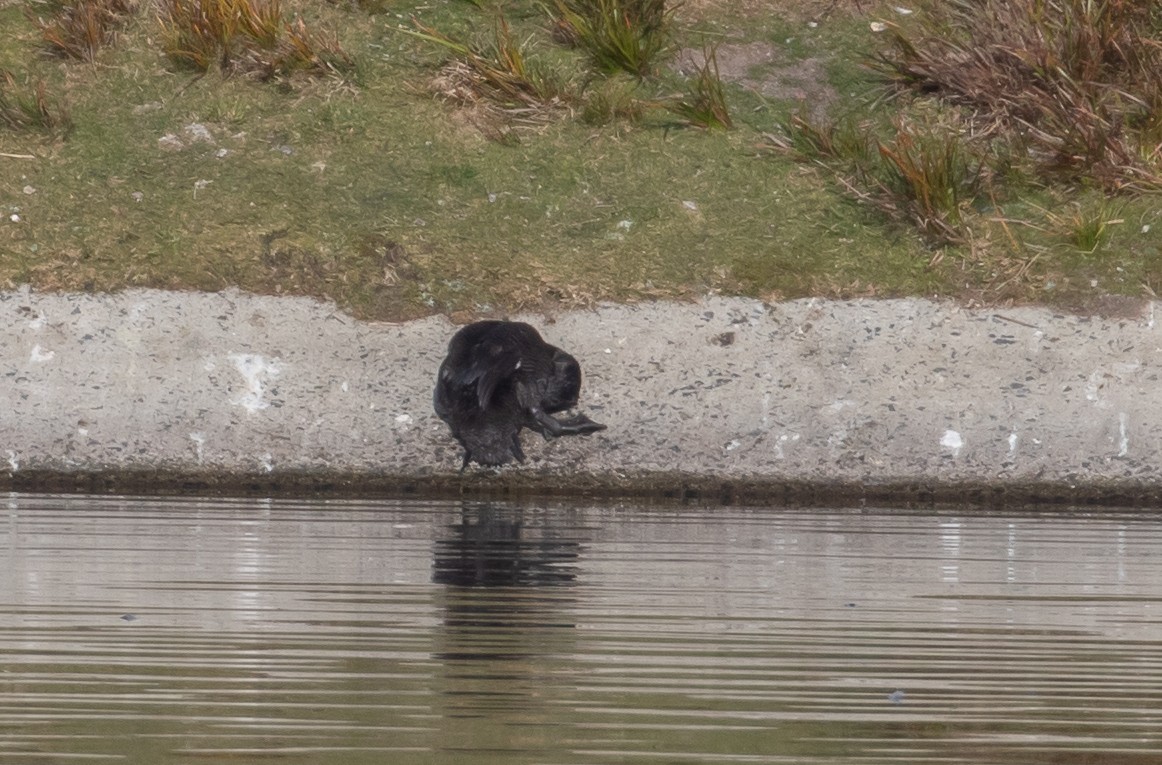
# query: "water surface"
193,631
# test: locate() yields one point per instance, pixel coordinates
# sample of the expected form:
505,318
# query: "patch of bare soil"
759,66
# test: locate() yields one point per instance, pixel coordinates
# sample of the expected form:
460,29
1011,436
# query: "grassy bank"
374,174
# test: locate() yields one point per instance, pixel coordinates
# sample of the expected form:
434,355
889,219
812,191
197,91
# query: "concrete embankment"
808,400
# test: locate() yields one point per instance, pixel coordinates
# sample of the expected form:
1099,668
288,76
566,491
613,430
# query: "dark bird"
499,377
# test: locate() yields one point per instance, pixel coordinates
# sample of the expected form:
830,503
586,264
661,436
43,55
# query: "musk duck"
499,377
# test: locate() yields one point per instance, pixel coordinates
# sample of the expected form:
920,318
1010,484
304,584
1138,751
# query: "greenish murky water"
193,631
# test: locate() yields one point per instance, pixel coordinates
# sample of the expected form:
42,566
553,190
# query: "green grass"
369,187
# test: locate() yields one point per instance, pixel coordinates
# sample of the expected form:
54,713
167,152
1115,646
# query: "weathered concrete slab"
730,397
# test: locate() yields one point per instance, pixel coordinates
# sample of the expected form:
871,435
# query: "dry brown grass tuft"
306,50
932,178
247,36
1080,81
29,107
921,173
79,28
498,74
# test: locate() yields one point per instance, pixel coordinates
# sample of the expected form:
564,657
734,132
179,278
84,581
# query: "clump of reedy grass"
247,36
617,35
78,28
499,70
1080,80
29,107
621,39
705,105
932,178
1084,225
922,174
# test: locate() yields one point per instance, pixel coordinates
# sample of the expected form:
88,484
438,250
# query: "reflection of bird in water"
508,574
499,377
493,548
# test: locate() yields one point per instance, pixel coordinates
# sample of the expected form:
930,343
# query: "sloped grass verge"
356,184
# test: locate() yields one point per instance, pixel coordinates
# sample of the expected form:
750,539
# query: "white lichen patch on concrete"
784,438
1093,386
952,442
257,372
40,355
199,440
